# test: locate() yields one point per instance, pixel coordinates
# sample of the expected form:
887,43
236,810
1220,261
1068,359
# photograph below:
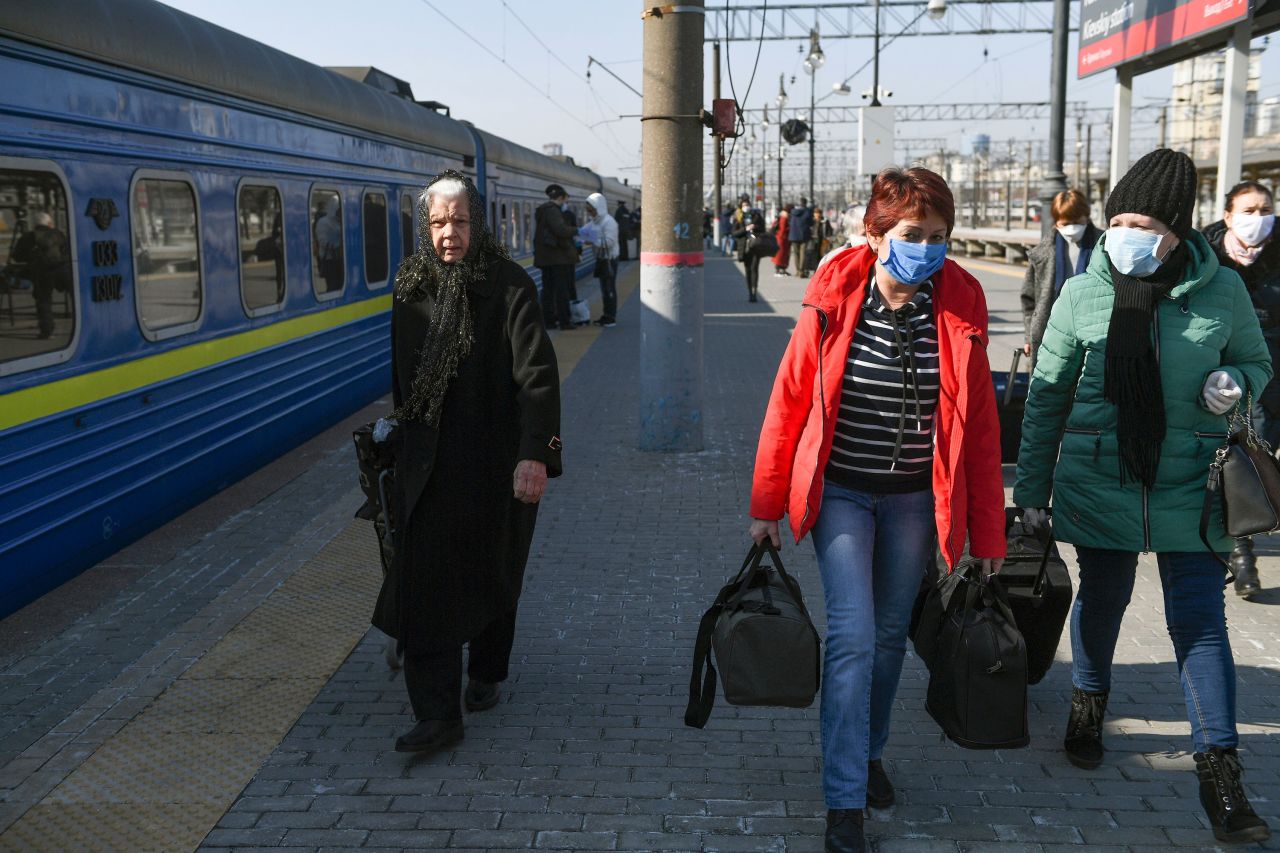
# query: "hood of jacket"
1202,265
598,204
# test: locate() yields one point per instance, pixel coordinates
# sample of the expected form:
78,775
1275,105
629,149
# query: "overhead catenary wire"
547,95
740,122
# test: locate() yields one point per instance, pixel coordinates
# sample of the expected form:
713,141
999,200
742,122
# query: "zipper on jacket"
1097,439
822,401
1146,493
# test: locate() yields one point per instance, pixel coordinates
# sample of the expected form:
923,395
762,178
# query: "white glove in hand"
1035,518
1221,392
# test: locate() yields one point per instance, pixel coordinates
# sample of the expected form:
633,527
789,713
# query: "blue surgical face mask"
1133,251
912,263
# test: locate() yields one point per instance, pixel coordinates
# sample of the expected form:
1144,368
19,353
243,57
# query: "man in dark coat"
622,216
554,254
43,257
477,401
799,230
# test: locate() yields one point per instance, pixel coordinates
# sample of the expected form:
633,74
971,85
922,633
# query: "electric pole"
671,271
1054,180
717,193
1026,188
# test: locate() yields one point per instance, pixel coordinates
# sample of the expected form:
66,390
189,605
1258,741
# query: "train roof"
504,152
147,36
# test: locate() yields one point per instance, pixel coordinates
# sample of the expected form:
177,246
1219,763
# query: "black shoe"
430,736
1083,742
751,297
879,788
844,831
481,695
1245,566
1222,795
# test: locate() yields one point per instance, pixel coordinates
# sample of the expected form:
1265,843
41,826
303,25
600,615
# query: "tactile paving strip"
163,781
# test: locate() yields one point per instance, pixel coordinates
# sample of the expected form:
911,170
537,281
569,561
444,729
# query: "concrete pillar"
1121,123
671,231
717,198
1231,143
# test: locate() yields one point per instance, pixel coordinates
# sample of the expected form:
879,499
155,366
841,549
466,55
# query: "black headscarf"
1161,185
450,332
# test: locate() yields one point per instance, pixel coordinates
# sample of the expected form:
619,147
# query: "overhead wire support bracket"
591,60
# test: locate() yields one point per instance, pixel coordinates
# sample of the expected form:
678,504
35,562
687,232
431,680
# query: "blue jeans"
1195,615
872,552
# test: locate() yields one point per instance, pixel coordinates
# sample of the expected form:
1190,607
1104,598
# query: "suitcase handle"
1013,372
1011,516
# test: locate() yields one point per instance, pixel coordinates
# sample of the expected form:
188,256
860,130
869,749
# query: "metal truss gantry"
857,20
926,112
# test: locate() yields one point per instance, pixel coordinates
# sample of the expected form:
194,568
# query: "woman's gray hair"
444,188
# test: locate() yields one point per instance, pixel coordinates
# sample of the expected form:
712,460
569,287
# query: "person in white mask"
1142,360
1064,252
1245,242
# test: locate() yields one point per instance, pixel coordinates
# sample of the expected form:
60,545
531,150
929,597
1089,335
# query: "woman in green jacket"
1143,357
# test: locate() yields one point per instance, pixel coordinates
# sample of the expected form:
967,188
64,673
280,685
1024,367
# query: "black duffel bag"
766,645
1038,588
977,661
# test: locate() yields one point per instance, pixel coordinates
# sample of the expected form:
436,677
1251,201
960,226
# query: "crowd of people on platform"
881,439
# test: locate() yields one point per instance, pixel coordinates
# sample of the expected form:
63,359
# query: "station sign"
1113,32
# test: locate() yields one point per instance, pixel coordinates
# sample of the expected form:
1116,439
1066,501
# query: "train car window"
517,235
328,249
260,225
528,226
37,274
166,256
377,249
504,233
407,231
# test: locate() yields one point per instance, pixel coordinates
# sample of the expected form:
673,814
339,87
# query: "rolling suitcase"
1011,402
1038,589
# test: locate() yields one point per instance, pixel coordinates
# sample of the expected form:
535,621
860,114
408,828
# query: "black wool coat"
462,538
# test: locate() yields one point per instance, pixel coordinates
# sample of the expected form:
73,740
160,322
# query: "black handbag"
601,269
766,645
1245,477
977,661
761,244
375,461
1038,588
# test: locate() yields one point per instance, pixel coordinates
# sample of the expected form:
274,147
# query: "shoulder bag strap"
702,688
1211,488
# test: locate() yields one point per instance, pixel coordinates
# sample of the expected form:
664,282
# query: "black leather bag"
766,645
762,244
375,461
1038,588
977,661
1245,477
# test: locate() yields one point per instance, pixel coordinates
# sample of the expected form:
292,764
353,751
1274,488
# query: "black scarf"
450,332
1132,371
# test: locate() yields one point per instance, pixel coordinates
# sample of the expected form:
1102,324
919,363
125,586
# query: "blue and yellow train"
233,218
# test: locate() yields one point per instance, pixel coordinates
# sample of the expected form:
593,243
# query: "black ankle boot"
844,832
1083,742
1245,566
1222,795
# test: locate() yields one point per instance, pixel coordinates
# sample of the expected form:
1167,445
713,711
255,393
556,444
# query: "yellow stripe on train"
40,401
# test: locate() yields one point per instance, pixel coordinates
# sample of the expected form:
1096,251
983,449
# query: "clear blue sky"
412,39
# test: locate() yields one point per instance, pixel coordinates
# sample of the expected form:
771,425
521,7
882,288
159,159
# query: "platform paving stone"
587,749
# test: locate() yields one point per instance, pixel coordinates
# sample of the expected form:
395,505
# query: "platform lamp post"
764,155
781,101
815,60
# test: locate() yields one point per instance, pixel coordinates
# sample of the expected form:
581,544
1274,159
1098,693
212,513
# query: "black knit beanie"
1161,185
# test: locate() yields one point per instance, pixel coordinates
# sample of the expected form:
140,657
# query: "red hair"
901,193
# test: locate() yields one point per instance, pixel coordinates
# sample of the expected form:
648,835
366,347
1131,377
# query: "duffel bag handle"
1047,541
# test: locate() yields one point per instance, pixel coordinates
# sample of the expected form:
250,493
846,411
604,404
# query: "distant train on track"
234,218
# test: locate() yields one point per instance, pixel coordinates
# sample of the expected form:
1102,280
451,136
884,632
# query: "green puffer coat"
1207,323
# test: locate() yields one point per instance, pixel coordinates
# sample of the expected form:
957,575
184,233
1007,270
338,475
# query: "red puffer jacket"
795,440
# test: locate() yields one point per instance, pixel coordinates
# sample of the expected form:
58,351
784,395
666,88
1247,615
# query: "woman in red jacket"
783,256
881,434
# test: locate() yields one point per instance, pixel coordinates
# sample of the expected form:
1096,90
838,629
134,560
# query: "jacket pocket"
1095,433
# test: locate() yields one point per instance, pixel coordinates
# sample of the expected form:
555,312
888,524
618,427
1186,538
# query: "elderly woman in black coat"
477,400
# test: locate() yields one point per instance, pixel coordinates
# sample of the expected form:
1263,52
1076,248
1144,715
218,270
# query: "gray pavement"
587,750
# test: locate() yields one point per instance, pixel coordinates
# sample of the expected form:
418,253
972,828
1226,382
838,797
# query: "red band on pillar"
673,259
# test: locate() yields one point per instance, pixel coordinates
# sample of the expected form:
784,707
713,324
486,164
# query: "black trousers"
752,266
434,677
556,280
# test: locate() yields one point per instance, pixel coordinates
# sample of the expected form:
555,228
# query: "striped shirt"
884,430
